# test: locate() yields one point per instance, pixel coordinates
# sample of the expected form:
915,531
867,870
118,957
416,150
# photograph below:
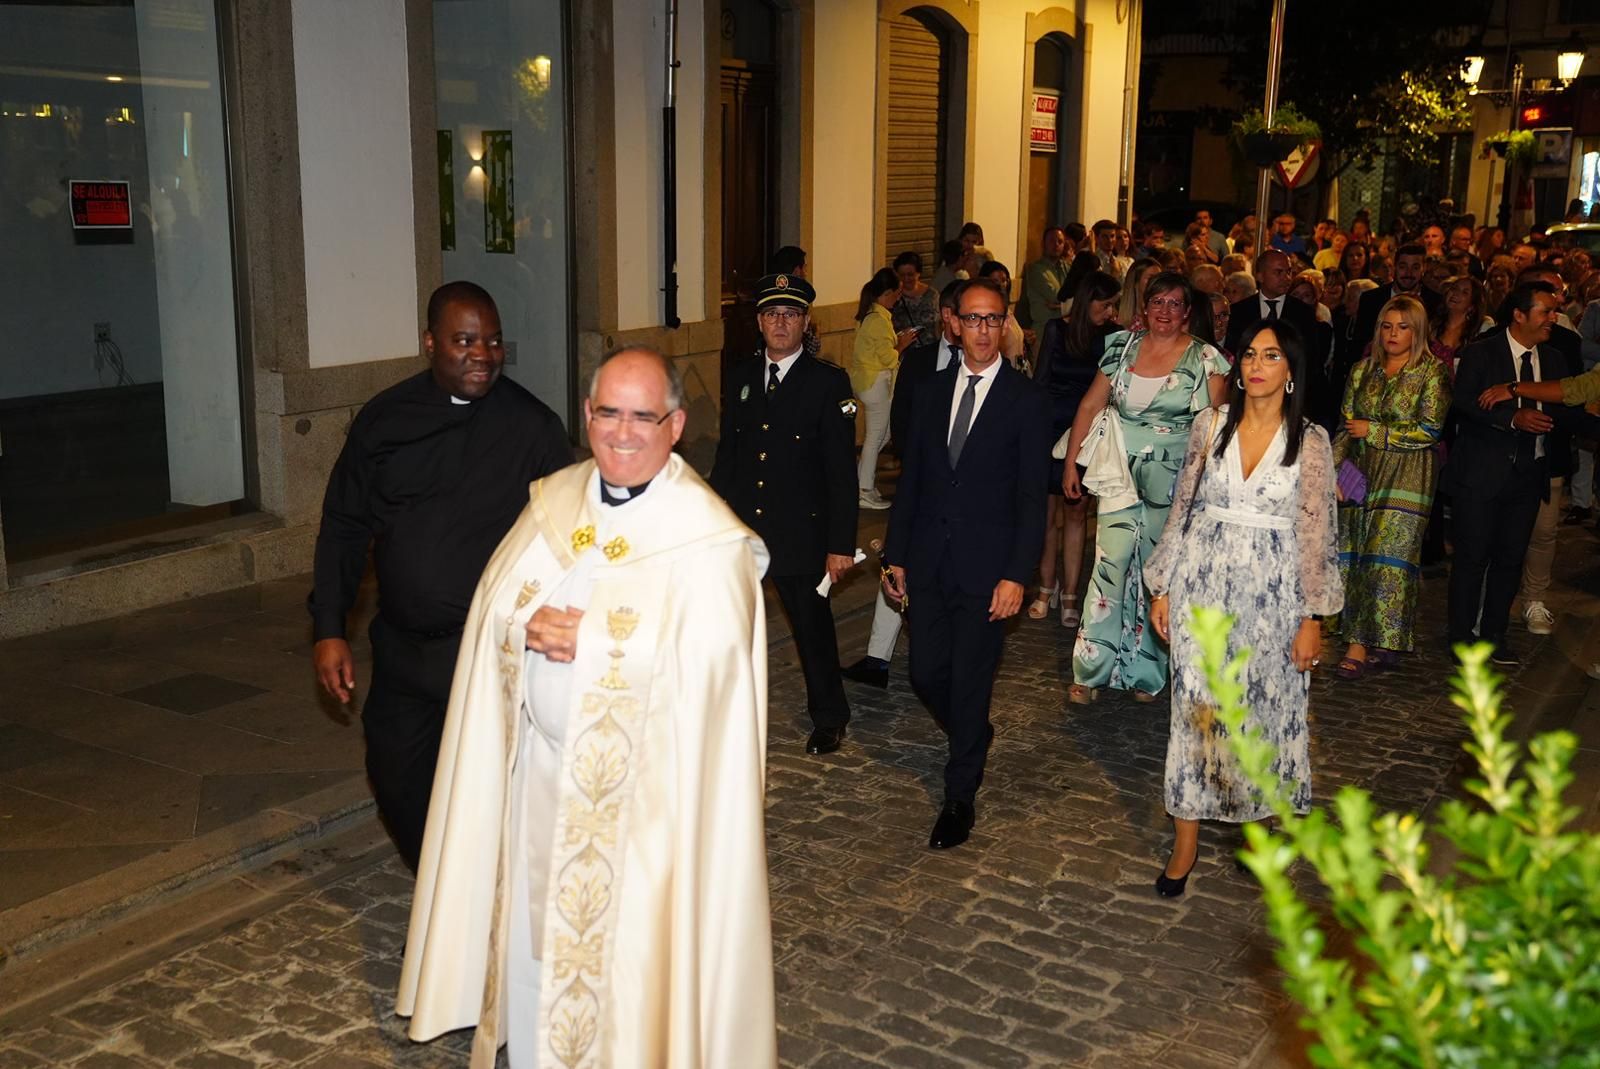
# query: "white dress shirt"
986,379
1266,308
1517,349
783,365
947,354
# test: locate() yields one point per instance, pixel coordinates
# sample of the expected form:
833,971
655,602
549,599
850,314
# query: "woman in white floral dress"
1253,532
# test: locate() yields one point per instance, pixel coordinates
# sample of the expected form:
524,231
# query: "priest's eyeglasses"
992,320
607,416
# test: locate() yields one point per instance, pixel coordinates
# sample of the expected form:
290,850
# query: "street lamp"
1471,71
1569,61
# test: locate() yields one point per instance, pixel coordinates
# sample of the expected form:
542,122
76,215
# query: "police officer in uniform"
786,464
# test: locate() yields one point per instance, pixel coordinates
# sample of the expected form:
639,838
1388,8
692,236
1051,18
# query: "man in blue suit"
965,535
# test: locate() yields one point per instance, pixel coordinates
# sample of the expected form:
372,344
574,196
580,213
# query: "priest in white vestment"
593,885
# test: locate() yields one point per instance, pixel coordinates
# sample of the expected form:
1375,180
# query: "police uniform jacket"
787,466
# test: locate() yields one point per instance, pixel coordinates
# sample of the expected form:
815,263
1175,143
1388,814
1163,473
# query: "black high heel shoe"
1167,887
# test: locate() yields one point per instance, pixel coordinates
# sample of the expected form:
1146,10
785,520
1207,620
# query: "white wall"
351,90
843,149
1102,109
639,43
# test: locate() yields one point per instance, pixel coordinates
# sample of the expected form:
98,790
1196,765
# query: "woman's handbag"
1104,459
1352,484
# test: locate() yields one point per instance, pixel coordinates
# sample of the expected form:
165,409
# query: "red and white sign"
1300,167
1042,110
100,204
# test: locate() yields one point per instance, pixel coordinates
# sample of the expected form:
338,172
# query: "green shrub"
1493,965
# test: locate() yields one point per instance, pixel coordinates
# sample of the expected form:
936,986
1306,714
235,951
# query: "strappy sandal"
1381,660
1351,668
1079,694
1042,604
1071,615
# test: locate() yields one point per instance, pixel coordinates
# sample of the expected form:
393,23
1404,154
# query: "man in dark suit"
1499,466
1408,264
964,537
917,369
786,463
1274,275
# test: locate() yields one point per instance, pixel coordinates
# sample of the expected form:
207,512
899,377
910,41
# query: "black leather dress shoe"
1503,656
953,826
868,670
824,740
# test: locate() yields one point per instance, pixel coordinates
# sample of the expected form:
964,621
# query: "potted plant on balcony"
1514,146
1265,144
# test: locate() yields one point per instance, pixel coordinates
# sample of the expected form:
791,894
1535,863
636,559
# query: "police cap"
777,290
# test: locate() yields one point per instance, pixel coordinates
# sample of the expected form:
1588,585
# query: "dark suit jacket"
1485,447
788,467
988,513
1372,303
1321,406
917,366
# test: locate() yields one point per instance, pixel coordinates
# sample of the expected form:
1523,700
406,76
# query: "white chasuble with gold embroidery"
656,945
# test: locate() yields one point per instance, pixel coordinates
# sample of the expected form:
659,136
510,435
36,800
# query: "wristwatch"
1512,389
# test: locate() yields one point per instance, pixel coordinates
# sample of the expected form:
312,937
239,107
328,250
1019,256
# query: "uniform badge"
744,392
848,407
782,282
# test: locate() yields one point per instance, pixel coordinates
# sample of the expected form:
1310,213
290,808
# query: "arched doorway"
1050,166
1051,191
924,90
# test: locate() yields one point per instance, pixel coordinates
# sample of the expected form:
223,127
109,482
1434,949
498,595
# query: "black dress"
1066,378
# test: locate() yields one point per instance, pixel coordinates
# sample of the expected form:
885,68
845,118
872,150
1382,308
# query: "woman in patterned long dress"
1158,379
1252,531
1394,412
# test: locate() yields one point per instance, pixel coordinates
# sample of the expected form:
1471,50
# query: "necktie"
958,433
1527,445
1272,308
772,378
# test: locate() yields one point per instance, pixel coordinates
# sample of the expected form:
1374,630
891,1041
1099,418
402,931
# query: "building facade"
228,215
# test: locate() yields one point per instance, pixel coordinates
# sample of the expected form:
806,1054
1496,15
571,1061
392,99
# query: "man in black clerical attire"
786,464
433,473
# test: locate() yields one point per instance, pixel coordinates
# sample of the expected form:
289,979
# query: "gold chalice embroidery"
620,623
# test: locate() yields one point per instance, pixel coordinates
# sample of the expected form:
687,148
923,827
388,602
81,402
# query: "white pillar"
187,159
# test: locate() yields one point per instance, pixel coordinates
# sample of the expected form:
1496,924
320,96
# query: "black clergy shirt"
433,486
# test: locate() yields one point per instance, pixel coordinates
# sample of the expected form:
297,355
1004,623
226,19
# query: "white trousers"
875,399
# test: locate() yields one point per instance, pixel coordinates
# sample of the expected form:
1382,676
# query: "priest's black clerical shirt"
432,485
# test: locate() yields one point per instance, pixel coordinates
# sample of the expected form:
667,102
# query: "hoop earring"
1239,380
1288,387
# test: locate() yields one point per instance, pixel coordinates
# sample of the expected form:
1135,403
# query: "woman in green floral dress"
1394,410
1158,379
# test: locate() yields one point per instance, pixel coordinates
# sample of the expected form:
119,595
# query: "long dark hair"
1294,404
1200,324
1083,265
879,284
1096,286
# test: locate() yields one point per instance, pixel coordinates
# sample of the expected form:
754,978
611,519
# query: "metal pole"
1274,70
669,173
1507,186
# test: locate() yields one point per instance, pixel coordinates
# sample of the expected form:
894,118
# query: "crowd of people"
566,725
1326,417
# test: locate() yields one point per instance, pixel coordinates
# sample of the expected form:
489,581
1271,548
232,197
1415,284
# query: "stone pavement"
1040,943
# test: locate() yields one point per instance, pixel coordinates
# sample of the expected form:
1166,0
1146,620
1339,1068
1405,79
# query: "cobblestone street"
1039,943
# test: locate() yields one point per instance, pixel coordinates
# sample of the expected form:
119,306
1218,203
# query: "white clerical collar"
786,363
459,400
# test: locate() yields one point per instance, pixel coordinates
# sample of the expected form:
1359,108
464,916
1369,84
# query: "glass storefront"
501,84
119,388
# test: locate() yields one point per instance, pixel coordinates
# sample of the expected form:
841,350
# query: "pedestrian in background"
1130,313
1013,345
1069,358
874,357
1156,380
917,306
1253,529
1394,411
